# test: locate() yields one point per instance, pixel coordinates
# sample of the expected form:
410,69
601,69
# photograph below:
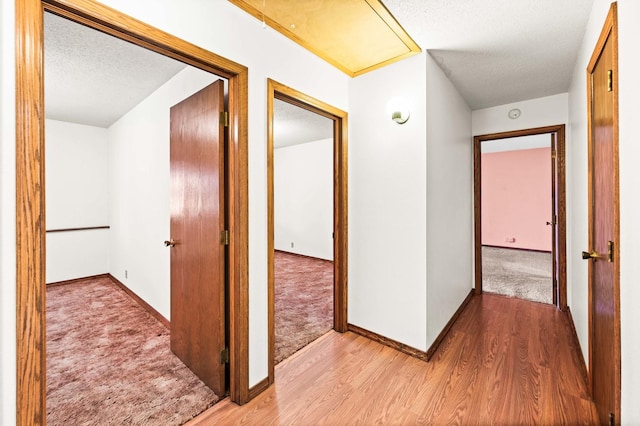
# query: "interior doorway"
280,93
31,248
519,209
303,227
99,91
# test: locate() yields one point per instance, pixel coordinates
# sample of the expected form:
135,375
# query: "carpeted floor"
518,273
303,301
109,362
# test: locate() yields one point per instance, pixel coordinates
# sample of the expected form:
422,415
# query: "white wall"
546,111
220,27
387,204
303,199
139,177
629,95
449,200
7,217
76,197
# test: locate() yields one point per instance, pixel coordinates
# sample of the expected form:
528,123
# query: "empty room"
411,90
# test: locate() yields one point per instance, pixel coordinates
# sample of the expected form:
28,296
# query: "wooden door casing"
560,226
31,249
197,222
554,219
284,93
604,228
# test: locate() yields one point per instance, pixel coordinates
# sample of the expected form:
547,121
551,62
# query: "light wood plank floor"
505,361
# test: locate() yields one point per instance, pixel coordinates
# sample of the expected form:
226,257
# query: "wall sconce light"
399,110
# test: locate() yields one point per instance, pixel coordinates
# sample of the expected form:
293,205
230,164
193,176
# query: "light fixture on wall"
399,110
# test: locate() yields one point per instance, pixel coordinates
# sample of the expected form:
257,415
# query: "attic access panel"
356,36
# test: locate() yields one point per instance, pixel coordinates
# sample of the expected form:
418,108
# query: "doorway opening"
303,227
519,210
31,240
279,98
103,168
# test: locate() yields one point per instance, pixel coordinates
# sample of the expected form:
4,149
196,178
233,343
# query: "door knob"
595,255
170,243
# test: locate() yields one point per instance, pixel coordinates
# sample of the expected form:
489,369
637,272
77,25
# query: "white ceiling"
293,125
499,51
94,79
494,51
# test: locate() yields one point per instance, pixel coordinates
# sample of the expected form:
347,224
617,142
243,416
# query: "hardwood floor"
505,361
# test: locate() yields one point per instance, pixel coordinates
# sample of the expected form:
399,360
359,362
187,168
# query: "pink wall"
516,199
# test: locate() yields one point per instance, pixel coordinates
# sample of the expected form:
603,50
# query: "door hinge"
610,81
224,237
612,419
554,154
224,118
224,356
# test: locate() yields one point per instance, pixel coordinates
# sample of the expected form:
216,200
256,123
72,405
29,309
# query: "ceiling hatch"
356,36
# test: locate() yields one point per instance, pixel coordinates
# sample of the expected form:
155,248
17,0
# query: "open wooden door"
603,256
198,235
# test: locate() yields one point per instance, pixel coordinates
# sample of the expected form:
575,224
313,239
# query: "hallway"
505,361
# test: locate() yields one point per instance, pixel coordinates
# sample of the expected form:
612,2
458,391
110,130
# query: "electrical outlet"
126,273
291,244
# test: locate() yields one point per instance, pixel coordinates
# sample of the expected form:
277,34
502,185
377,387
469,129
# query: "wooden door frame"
30,187
279,91
609,29
561,195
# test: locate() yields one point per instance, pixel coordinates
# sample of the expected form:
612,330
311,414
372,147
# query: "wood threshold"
284,93
445,331
30,188
258,388
394,344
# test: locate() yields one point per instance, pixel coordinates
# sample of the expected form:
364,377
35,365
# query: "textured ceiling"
494,51
499,51
94,79
294,125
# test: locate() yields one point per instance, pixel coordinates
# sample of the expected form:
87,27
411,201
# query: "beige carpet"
517,273
109,362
